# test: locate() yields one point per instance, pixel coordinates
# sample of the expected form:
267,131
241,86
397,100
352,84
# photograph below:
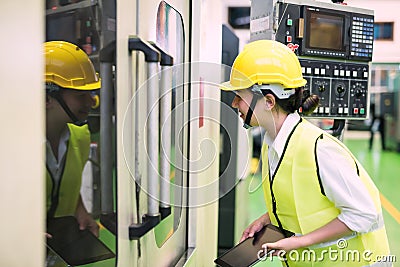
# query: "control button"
340,110
355,110
315,110
327,110
323,71
358,92
308,70
365,74
362,111
316,71
341,72
303,70
336,72
321,110
347,73
355,73
346,110
289,22
288,39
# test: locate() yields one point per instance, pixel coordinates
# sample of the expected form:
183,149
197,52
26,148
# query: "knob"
321,88
358,92
340,89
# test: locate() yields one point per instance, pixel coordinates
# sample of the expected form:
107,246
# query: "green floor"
384,168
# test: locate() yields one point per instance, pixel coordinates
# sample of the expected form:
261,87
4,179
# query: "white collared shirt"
342,185
56,165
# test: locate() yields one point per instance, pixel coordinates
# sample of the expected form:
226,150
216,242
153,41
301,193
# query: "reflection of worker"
377,124
313,185
70,78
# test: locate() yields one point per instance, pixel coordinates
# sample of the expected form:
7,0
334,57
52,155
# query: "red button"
289,39
355,110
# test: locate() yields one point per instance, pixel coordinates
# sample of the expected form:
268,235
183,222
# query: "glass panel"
387,31
376,31
384,78
170,38
373,77
383,31
73,159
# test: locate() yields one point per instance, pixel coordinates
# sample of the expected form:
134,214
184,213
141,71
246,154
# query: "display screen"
324,31
62,27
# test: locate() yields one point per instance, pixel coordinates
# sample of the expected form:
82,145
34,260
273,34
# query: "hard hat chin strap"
54,90
253,103
67,110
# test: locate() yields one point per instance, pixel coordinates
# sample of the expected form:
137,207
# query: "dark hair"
300,99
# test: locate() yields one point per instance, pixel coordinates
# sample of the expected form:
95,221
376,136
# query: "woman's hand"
255,227
285,244
333,230
85,220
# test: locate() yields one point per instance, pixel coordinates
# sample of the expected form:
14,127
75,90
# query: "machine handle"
150,53
152,217
152,143
166,59
165,109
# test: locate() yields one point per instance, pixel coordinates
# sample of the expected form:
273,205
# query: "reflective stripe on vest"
300,205
62,201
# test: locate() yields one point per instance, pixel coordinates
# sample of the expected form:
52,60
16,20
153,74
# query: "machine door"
162,25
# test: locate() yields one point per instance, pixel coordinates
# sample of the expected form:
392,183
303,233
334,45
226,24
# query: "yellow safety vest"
301,206
62,201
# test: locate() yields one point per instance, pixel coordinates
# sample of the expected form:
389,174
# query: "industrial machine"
129,42
334,43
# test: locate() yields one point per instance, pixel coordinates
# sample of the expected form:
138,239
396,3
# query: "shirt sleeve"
344,187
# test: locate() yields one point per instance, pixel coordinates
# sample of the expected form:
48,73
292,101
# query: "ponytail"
309,102
301,99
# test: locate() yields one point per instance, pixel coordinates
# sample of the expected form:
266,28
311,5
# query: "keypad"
362,37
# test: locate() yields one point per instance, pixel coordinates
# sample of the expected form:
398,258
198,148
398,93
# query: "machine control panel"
324,31
341,87
334,44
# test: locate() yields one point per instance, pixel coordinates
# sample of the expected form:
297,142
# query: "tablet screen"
75,246
250,250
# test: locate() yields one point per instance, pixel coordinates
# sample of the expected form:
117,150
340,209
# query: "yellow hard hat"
265,62
69,67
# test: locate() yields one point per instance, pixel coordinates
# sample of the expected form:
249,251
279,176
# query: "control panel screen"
325,31
334,44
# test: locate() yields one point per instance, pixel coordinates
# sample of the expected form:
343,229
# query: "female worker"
313,186
70,80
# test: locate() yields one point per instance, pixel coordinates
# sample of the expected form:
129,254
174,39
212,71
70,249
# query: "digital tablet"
250,251
75,246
